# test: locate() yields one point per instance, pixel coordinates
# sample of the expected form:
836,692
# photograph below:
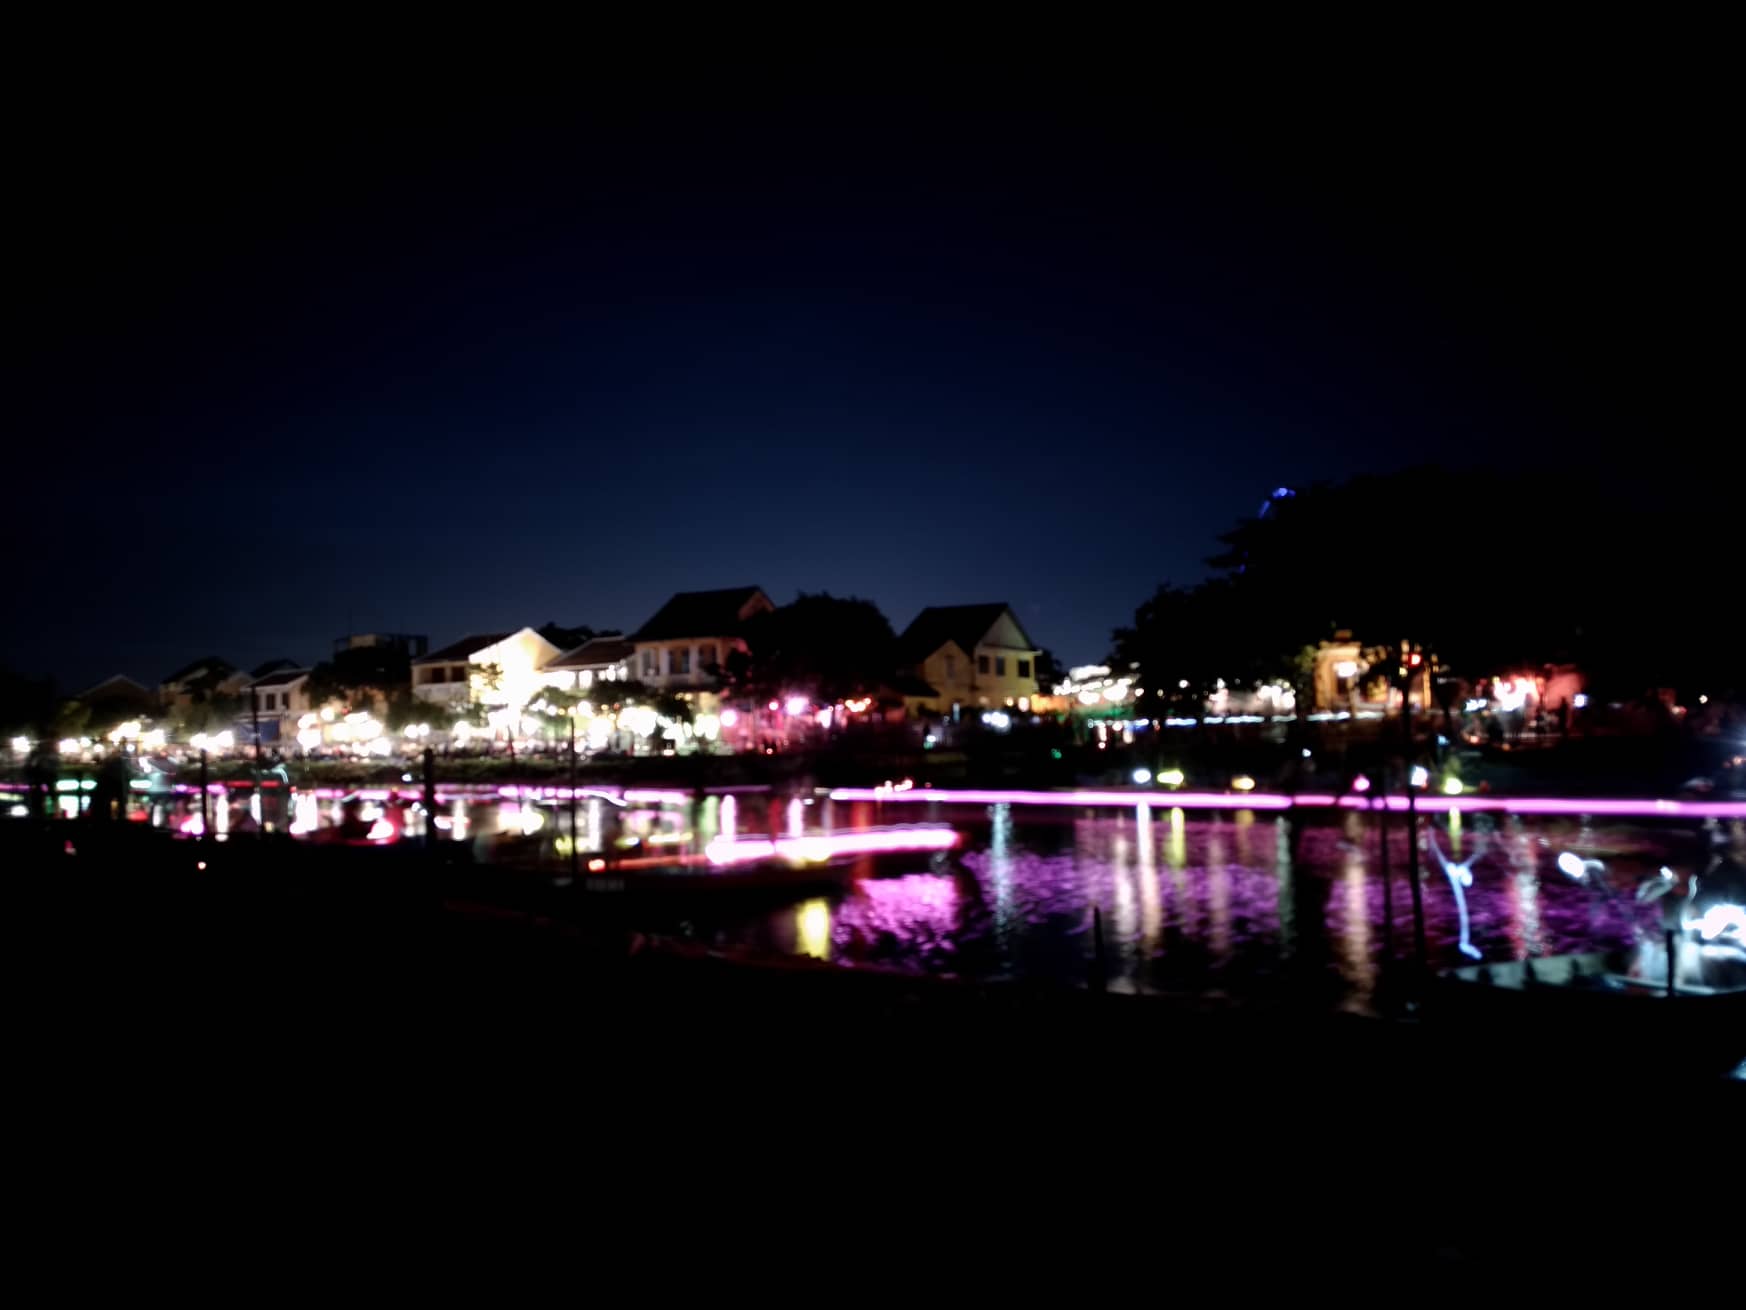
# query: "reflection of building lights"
812,928
1242,782
1572,865
1452,787
1719,922
1141,776
1511,694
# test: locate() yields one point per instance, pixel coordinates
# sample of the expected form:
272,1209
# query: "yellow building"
971,656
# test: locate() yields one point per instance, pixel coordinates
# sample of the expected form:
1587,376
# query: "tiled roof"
907,684
698,614
597,652
466,646
224,668
938,624
279,678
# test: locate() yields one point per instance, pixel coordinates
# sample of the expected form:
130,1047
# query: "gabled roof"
280,677
938,624
117,685
600,652
223,667
460,650
272,666
699,614
907,684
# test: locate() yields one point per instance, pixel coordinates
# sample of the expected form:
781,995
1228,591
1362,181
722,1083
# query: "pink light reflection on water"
912,919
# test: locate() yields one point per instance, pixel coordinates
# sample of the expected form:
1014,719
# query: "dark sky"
296,357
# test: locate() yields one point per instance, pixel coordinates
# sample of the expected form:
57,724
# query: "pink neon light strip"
827,846
1429,804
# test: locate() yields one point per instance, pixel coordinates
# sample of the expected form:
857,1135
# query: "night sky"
294,359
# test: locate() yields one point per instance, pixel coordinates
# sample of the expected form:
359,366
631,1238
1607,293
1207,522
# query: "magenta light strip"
827,846
1429,804
1195,800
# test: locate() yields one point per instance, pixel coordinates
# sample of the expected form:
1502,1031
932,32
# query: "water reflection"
812,928
1226,904
1357,964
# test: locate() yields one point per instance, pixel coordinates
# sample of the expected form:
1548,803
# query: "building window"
649,665
457,673
951,668
1000,666
679,660
982,664
439,674
1024,668
706,657
585,679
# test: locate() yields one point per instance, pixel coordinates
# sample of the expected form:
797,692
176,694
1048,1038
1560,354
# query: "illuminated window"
649,664
1000,666
982,664
679,660
1024,668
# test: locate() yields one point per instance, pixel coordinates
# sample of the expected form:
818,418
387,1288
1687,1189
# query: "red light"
1414,659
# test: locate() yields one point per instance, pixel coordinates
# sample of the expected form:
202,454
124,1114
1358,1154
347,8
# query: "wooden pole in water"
1382,862
575,830
429,801
1406,719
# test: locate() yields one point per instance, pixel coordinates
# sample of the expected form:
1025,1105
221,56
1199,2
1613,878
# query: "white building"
606,658
494,668
687,640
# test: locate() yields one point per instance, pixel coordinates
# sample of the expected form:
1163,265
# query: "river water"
1144,897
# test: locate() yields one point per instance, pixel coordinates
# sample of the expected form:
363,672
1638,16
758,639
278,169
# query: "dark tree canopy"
1490,573
820,645
565,638
377,671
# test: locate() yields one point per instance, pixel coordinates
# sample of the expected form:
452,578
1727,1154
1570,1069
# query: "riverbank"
1314,758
